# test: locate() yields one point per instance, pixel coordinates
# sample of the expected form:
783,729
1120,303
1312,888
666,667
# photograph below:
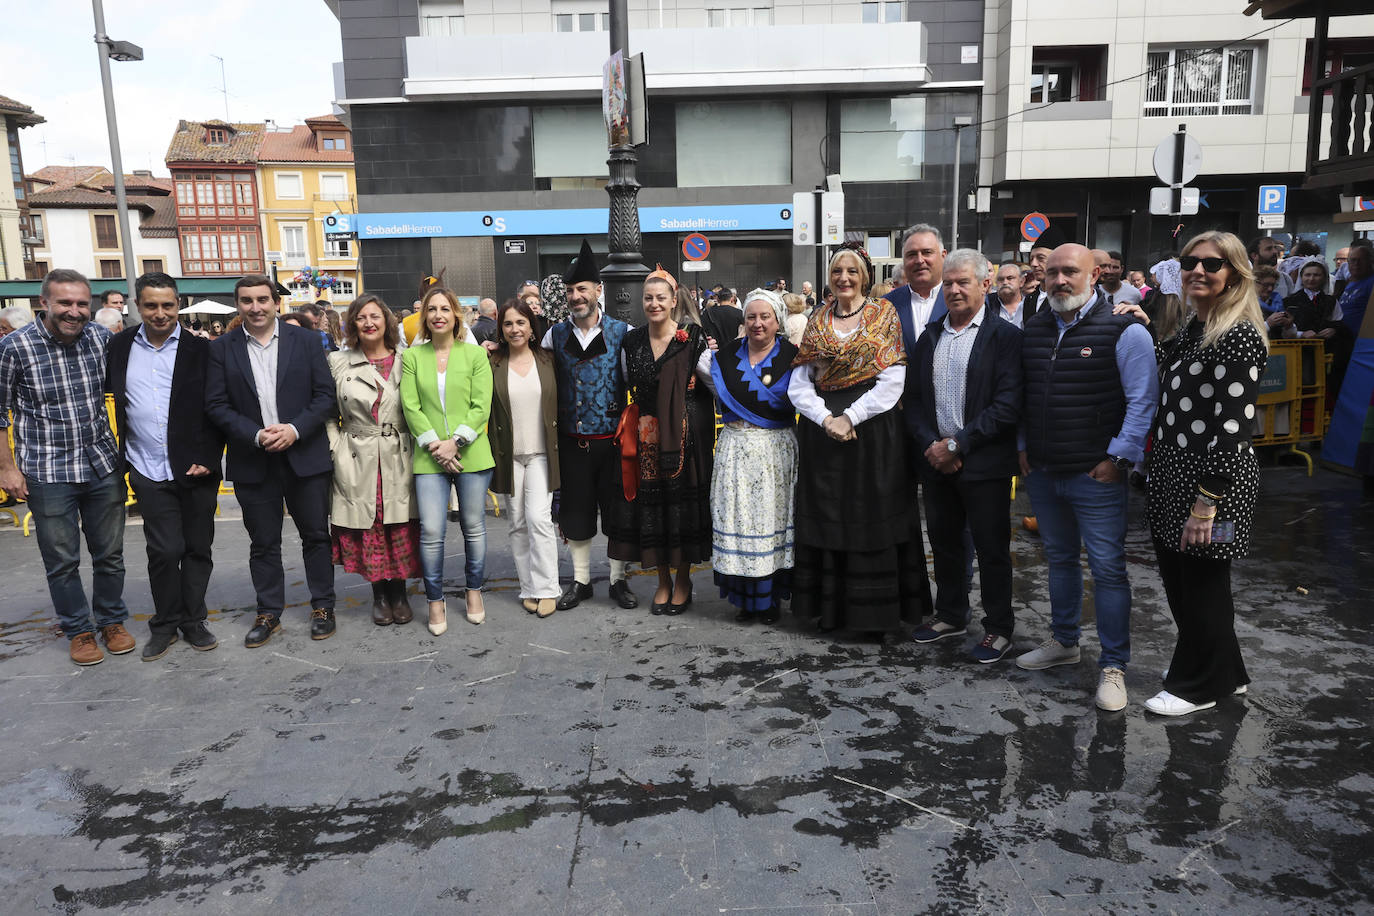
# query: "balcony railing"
1345,154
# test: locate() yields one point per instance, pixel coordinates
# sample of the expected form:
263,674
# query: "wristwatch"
1207,501
952,446
1122,464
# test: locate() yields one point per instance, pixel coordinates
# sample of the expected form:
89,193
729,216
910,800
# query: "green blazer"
467,393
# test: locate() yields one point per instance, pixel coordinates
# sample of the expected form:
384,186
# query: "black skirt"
859,558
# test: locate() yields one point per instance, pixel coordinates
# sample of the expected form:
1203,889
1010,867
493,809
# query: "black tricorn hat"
1051,238
584,268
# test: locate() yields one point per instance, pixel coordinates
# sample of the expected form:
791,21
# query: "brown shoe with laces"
117,639
85,651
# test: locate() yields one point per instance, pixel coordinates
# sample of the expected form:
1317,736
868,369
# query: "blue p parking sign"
1273,198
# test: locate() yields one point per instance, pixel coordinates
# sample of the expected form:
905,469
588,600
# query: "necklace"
842,315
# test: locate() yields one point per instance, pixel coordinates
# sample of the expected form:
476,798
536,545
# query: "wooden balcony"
1340,132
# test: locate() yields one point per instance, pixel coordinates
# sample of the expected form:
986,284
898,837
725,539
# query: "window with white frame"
338,249
333,186
343,289
293,245
301,290
582,22
1195,82
883,12
721,17
290,186
441,18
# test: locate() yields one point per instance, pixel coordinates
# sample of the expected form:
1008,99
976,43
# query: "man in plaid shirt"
52,384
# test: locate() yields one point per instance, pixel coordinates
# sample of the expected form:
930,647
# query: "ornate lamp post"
624,274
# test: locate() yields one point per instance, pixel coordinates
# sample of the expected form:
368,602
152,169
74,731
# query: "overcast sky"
278,57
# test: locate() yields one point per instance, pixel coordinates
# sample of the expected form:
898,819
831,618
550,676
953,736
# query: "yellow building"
304,175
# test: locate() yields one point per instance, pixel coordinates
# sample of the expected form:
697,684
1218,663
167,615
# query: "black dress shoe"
771,615
199,637
157,645
675,609
746,617
657,609
264,628
321,623
620,591
573,595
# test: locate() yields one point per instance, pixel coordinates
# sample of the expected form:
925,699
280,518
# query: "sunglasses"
1211,265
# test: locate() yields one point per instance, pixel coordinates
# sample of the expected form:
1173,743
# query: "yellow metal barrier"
1291,407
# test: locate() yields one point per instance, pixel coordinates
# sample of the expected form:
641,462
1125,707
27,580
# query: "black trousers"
308,500
1206,665
984,506
589,472
179,529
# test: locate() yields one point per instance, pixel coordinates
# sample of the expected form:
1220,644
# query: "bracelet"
1205,492
1205,518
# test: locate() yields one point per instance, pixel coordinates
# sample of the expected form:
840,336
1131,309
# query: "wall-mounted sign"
515,246
591,221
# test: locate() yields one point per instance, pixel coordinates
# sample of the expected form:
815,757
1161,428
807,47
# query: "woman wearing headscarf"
858,562
755,473
666,438
553,299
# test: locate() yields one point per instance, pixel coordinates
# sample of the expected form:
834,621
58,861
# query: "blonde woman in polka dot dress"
1203,471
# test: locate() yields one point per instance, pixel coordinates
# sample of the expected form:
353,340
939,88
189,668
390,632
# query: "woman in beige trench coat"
373,515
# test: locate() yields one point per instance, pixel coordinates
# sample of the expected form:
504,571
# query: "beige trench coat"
359,445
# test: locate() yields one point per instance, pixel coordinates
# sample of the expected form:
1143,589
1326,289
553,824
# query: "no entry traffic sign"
1034,225
696,247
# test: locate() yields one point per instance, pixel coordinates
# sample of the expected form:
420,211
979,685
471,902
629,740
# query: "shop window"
1068,74
709,134
882,139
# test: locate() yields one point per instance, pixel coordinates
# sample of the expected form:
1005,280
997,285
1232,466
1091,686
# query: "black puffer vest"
1074,399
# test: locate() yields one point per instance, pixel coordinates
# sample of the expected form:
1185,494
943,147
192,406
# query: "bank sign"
563,222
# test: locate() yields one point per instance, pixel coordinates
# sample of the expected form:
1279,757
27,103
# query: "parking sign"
1273,198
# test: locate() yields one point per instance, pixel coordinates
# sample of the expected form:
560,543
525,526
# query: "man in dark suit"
921,300
270,391
968,375
156,373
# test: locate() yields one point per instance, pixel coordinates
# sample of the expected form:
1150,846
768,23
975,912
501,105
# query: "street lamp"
960,122
123,51
624,272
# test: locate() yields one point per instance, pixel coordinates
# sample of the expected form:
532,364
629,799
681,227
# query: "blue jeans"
1071,508
431,490
61,512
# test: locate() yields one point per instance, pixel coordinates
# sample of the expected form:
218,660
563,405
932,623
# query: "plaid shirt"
56,393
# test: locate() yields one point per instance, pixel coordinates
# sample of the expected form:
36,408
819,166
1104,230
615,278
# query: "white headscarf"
1169,276
772,298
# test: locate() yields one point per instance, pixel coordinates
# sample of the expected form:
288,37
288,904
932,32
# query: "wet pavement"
607,761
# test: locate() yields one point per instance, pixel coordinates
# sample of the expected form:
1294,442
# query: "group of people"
931,397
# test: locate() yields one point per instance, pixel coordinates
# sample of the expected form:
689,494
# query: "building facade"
481,148
75,223
305,174
213,166
16,232
1077,99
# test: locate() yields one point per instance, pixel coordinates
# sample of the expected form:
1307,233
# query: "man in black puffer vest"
1091,391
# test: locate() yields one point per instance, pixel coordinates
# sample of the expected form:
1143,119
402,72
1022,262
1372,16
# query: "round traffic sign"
1164,159
1034,225
696,247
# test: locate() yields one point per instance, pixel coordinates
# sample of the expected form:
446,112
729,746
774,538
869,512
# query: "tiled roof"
162,222
64,176
188,143
143,182
80,196
300,145
22,114
326,121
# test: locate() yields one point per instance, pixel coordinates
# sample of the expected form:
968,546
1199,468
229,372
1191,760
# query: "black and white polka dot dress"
1202,434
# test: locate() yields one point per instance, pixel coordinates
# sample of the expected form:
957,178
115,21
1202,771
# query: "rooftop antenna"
223,85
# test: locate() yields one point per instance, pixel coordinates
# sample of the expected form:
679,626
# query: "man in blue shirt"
1091,391
172,451
1355,297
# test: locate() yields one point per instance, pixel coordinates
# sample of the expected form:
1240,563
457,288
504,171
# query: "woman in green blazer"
446,393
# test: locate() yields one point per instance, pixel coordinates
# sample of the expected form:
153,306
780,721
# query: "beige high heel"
547,606
530,604
438,627
476,610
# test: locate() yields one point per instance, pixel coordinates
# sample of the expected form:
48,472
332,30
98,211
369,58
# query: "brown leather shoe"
85,651
117,639
399,599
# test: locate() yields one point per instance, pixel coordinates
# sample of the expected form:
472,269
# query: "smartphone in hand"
1223,531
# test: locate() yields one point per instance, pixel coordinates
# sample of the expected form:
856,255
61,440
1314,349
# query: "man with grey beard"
1091,392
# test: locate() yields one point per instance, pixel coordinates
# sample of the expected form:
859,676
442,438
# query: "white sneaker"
1111,690
1048,654
1165,703
1241,690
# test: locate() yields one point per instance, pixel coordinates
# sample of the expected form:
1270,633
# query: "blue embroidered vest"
591,390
